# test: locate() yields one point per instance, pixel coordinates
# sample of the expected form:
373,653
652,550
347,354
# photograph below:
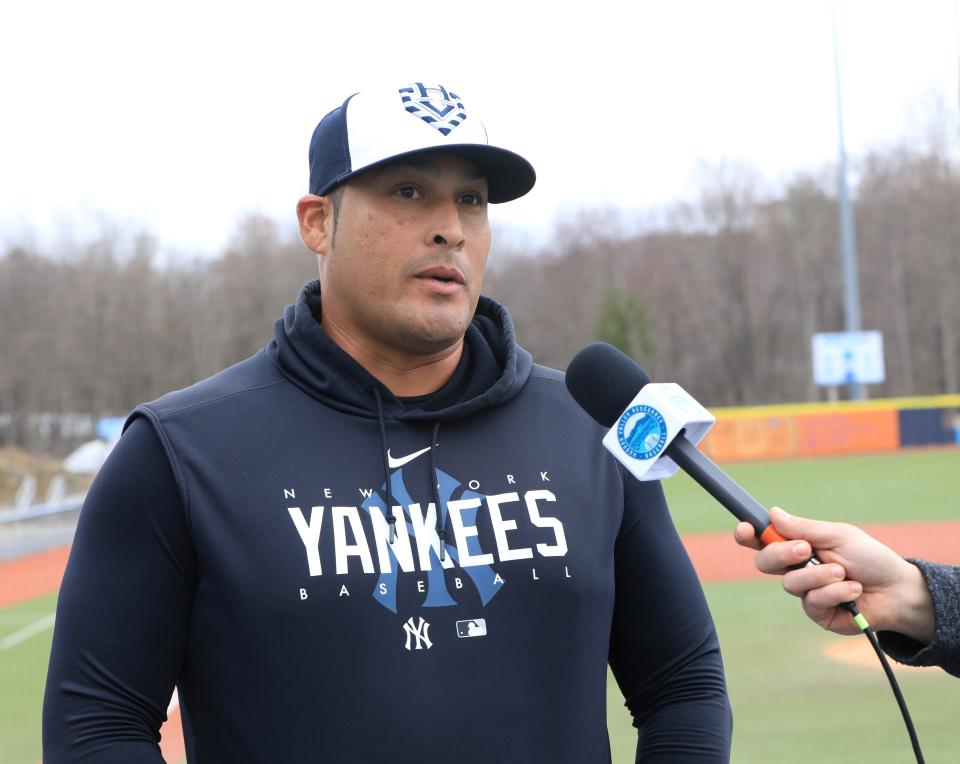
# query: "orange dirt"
35,575
26,578
858,652
717,557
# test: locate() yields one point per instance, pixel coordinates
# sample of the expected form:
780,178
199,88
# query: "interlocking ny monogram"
420,632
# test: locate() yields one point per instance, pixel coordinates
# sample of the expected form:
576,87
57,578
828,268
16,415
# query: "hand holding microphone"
855,566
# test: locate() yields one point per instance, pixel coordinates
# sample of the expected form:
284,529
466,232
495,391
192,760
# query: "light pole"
848,234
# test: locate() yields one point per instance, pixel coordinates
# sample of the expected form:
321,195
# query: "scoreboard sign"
841,358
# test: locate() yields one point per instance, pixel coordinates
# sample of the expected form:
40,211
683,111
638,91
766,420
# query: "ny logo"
438,594
434,104
420,632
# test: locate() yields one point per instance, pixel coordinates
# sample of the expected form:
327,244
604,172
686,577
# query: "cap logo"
434,104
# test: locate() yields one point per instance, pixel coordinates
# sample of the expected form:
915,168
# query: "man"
388,536
913,605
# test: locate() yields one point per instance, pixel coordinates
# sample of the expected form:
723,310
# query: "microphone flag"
653,419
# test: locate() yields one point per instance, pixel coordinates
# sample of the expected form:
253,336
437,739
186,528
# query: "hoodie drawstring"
434,479
435,484
391,518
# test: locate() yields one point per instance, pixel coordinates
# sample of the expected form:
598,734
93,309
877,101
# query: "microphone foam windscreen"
603,380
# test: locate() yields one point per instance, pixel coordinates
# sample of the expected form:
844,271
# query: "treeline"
722,295
725,296
97,328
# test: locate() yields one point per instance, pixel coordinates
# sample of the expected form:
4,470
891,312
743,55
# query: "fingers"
780,557
826,598
789,526
820,533
746,536
800,582
822,588
777,558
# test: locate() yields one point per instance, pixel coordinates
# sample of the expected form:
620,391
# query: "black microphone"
604,381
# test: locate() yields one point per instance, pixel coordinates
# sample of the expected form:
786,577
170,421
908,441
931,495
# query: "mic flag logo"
440,108
640,437
642,432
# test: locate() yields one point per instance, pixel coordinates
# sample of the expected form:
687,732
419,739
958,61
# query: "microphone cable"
865,627
734,498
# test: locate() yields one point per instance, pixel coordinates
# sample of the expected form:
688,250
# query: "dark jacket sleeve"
122,613
664,651
943,581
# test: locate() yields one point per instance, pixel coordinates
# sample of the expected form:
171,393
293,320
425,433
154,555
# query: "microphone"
642,417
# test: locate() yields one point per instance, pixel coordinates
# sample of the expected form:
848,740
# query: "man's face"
402,268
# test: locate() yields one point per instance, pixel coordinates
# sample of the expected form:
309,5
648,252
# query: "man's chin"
435,336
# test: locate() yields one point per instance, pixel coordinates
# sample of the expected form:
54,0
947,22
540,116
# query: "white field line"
27,631
45,623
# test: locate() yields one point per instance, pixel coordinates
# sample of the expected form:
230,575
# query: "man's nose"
446,226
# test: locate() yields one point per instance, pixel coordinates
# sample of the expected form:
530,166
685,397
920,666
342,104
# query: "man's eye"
408,192
472,199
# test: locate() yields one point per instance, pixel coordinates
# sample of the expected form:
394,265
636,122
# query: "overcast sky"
182,116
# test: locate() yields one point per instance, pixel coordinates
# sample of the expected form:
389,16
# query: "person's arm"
910,604
123,611
943,585
664,650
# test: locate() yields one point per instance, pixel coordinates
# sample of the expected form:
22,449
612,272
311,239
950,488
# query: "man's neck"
405,375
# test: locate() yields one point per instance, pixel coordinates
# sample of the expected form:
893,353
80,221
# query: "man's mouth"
442,273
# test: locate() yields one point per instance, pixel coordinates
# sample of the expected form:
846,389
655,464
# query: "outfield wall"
822,429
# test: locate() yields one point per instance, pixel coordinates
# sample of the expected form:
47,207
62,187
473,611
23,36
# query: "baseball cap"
379,126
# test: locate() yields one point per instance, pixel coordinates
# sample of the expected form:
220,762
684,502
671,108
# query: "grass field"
905,486
23,670
791,703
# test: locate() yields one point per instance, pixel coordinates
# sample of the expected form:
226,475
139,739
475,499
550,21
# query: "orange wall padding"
848,432
747,438
785,436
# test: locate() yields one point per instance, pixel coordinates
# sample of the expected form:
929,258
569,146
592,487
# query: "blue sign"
841,358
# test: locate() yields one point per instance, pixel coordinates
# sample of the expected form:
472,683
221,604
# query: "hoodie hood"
493,369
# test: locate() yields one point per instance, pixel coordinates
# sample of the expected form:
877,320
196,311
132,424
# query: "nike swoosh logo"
394,463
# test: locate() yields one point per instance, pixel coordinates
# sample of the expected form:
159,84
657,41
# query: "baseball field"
799,694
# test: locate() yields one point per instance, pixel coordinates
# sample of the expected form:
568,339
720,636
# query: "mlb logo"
476,627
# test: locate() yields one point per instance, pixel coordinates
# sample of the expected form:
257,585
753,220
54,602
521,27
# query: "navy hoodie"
237,545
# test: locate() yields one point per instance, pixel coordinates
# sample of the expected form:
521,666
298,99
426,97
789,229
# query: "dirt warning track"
32,576
717,557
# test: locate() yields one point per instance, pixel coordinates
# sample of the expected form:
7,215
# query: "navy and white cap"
375,127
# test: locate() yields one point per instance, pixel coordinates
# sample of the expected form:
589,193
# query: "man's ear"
315,214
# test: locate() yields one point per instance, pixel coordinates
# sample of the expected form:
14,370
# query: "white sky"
182,116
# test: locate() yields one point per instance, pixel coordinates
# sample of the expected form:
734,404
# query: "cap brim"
509,176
